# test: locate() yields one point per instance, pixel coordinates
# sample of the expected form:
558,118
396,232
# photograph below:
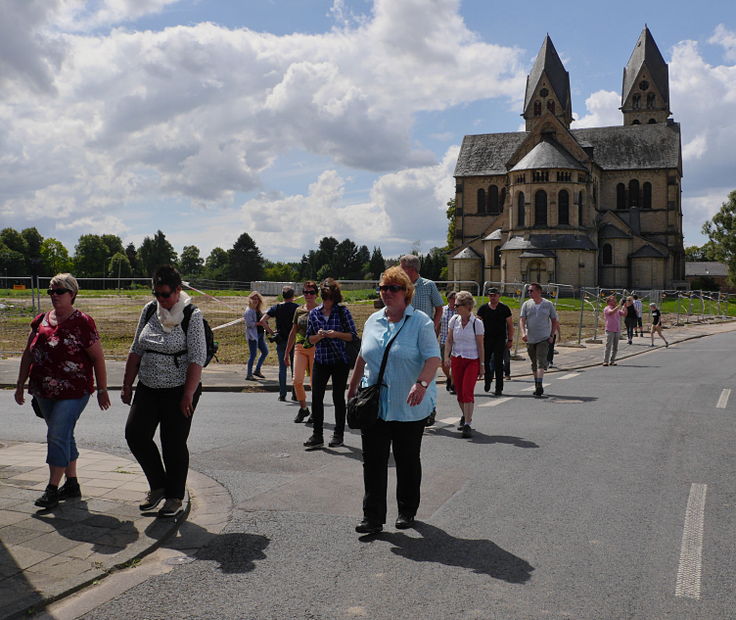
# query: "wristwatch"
424,384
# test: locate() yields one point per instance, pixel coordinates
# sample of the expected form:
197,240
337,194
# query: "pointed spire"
548,61
646,53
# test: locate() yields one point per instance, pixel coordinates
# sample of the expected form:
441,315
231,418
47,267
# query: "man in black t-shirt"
499,336
284,314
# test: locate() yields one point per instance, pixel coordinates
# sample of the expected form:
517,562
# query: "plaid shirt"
426,296
447,314
330,350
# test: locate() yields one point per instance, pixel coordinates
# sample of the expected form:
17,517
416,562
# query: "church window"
551,105
497,256
537,108
635,122
580,209
493,200
620,196
607,254
646,195
481,202
520,210
544,92
502,200
636,101
652,121
540,208
633,193
643,85
651,97
563,207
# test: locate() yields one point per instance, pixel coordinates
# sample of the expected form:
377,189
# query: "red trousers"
464,375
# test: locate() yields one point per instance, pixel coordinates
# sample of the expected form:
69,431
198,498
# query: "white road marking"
569,376
691,551
723,400
495,401
531,388
449,421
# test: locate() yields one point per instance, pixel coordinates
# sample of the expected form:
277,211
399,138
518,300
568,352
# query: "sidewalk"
46,555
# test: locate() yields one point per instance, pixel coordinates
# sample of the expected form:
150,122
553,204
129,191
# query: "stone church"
587,207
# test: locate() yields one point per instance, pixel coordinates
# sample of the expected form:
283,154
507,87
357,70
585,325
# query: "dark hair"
287,292
311,284
331,285
536,285
166,275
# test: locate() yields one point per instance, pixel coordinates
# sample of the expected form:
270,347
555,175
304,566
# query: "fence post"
580,322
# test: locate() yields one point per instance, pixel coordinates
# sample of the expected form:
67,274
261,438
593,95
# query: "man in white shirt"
538,321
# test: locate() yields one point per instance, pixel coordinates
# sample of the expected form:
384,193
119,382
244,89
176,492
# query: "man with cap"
498,337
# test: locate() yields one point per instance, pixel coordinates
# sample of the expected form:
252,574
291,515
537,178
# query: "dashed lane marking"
569,376
495,401
723,400
691,550
531,388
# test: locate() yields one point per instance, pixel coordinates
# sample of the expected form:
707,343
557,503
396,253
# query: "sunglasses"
309,292
162,295
58,291
394,288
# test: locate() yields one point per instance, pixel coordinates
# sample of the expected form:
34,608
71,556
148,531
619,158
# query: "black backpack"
209,337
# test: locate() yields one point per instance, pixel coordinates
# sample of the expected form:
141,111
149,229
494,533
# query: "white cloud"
603,110
727,39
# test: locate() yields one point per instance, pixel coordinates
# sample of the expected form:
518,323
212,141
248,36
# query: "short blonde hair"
396,275
463,297
65,280
259,297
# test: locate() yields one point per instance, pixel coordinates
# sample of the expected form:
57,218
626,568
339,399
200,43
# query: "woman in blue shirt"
406,400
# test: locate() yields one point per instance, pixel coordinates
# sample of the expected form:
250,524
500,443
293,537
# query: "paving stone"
52,543
15,534
25,557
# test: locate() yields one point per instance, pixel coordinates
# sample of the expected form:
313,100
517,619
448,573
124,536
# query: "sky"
292,120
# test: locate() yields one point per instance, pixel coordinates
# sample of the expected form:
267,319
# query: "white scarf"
171,318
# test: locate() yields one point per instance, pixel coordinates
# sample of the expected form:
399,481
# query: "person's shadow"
481,556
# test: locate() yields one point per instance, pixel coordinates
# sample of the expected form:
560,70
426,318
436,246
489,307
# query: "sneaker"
430,419
314,442
259,374
50,498
498,393
282,399
250,378
153,499
366,527
303,413
467,432
335,441
310,420
604,364
487,386
461,424
70,490
507,377
172,508
452,390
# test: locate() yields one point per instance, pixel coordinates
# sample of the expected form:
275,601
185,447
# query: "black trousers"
150,408
493,362
406,440
321,375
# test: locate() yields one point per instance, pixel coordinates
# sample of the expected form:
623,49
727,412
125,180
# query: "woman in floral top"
62,352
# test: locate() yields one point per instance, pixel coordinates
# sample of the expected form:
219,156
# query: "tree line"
27,252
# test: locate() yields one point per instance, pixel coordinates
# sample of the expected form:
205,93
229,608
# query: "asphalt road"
612,498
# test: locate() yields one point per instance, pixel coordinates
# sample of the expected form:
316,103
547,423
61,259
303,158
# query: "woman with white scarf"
168,363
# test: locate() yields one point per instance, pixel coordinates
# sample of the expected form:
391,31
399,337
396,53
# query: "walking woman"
303,349
612,314
464,351
657,324
408,397
62,351
329,326
167,356
630,318
255,336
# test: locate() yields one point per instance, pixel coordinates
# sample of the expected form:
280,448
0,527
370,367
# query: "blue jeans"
254,346
61,416
281,354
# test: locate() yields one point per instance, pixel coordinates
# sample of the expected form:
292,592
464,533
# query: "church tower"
645,95
547,88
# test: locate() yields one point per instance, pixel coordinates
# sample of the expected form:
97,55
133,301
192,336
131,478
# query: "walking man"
639,310
499,336
612,316
538,321
284,314
426,298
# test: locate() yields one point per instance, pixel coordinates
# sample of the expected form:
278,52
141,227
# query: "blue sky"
295,119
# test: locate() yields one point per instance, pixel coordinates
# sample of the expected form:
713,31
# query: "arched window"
481,202
635,122
502,199
620,196
551,105
607,254
520,210
580,209
497,256
646,201
652,121
540,208
651,97
633,193
563,207
493,200
537,108
636,102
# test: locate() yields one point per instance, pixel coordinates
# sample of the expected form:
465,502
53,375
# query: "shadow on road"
235,552
481,556
482,438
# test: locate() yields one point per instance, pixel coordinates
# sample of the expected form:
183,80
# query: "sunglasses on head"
161,294
58,291
394,288
309,291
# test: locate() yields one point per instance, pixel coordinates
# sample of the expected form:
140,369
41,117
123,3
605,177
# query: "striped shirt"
447,314
330,350
426,296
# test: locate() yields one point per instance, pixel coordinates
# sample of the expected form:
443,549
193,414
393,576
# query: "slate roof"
706,268
487,154
467,253
609,231
547,155
537,254
646,52
647,251
548,60
496,234
550,242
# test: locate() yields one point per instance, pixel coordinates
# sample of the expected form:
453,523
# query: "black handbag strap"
344,321
384,361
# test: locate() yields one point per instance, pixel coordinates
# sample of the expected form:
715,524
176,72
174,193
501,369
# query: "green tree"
450,223
345,262
707,252
119,266
55,257
90,257
377,264
114,244
12,263
14,242
326,255
308,266
132,255
190,262
155,252
217,265
721,231
280,272
246,260
33,240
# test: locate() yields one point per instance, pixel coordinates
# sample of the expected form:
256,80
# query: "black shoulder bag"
352,347
363,407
